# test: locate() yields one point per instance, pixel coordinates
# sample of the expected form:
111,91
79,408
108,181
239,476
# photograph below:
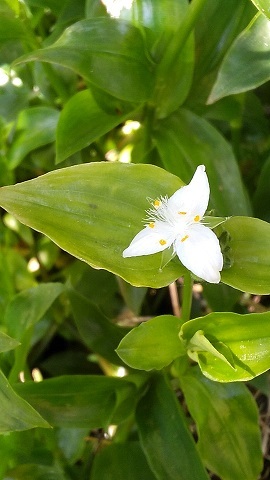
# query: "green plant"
98,117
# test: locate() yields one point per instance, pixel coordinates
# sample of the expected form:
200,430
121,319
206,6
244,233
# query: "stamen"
184,238
182,213
157,203
197,218
162,242
151,224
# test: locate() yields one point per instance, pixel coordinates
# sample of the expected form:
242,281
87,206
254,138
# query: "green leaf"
246,65
35,128
249,255
15,413
184,141
79,401
261,199
162,426
263,6
36,472
229,448
212,48
7,343
121,461
153,344
81,122
246,337
93,211
97,332
28,307
108,53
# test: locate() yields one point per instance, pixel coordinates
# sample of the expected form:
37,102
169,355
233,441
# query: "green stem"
187,297
178,41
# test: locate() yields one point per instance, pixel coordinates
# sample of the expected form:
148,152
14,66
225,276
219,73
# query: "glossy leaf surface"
249,254
93,211
229,448
108,53
242,344
246,64
165,438
77,401
184,141
15,413
263,6
153,344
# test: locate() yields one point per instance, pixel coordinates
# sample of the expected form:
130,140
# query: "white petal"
194,197
200,253
151,240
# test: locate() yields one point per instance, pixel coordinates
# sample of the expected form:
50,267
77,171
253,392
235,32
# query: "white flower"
178,221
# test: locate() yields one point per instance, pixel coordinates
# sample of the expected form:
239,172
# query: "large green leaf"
81,122
93,211
248,254
121,461
35,128
153,344
165,438
229,347
230,448
15,413
184,141
35,472
78,401
108,53
246,65
261,199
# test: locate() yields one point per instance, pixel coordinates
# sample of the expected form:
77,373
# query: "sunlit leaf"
246,64
93,211
152,345
246,336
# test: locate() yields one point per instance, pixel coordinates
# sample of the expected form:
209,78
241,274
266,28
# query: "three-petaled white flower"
177,221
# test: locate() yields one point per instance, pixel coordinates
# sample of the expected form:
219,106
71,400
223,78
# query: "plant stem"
187,297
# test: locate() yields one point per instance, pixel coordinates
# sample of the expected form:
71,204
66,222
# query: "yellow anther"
184,238
157,203
162,242
182,213
151,224
197,218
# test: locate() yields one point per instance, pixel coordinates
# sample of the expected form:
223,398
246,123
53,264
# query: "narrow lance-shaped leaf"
230,449
164,435
246,65
15,413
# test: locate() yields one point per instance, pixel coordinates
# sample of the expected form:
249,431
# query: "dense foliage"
132,368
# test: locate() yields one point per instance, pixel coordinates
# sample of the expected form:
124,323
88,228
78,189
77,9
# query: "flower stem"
187,297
